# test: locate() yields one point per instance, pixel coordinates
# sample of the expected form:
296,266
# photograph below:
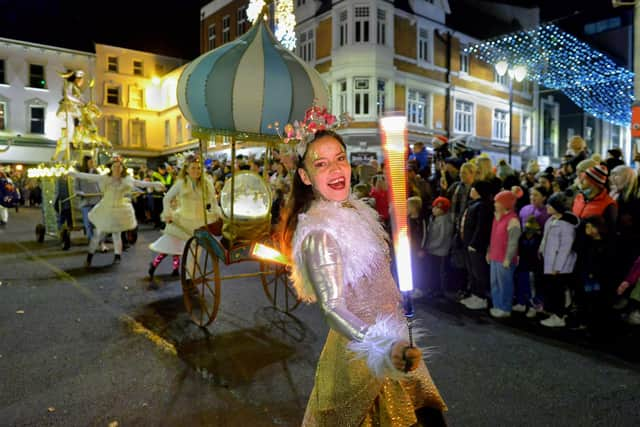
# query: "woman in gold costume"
367,375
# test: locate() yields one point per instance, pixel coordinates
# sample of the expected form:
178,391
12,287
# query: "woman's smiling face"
327,169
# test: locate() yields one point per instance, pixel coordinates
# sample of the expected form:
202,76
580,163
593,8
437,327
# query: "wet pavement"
85,347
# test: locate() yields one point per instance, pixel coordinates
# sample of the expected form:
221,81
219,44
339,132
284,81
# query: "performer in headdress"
367,373
114,213
183,212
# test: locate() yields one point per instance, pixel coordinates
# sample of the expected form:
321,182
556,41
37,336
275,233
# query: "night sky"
169,28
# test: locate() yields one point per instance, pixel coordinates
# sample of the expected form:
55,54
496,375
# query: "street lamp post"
517,73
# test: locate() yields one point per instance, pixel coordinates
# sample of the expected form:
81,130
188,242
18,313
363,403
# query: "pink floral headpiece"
316,119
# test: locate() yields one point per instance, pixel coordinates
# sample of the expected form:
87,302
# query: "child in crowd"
558,258
475,231
632,281
528,265
439,239
502,253
595,279
380,193
418,237
538,196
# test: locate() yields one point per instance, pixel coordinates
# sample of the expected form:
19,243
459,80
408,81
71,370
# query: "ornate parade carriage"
236,94
80,137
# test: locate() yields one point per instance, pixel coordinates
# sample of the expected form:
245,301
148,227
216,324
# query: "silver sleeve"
323,262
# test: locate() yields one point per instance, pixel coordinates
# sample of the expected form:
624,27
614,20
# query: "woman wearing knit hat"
475,227
559,258
594,199
503,252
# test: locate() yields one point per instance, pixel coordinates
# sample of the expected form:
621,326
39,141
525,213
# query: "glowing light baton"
394,144
267,253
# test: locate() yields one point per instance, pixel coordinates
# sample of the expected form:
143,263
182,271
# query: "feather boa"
360,236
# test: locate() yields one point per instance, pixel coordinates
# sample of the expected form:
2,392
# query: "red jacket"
594,207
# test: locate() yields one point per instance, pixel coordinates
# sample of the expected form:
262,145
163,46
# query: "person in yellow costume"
367,375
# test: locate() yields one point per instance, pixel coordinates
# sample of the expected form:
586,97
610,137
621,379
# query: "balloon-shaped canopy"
246,85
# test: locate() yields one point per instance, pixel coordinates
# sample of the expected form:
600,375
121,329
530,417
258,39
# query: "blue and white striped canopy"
245,85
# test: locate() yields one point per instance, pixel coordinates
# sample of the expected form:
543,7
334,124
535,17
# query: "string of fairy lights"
558,60
284,19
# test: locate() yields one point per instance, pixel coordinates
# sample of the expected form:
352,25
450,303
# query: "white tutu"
167,244
113,219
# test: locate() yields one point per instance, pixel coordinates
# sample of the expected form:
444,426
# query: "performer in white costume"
114,213
183,212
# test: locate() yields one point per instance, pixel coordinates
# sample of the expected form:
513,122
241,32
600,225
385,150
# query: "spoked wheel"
200,278
40,230
278,287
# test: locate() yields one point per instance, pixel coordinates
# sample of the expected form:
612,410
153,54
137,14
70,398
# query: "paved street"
85,347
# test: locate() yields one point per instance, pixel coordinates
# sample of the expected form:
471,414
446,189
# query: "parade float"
80,136
237,96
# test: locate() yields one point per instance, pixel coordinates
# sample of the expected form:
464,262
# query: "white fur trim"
375,348
358,232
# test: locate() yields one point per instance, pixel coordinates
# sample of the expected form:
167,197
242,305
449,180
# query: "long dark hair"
300,196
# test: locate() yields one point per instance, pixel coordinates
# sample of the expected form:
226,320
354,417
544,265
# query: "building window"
615,137
178,129
344,28
212,37
381,28
361,88
464,62
525,131
342,96
114,130
226,25
417,107
136,97
463,117
167,133
112,64
423,45
500,125
362,24
3,115
138,69
241,19
113,95
501,80
137,133
36,119
381,98
37,77
3,78
306,49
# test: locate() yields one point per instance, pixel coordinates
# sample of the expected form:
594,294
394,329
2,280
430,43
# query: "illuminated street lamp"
517,73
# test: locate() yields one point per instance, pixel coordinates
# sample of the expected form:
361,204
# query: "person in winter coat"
632,281
559,258
529,266
503,252
417,238
626,192
538,196
439,239
475,233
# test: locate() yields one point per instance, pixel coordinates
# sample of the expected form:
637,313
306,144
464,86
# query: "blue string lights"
558,60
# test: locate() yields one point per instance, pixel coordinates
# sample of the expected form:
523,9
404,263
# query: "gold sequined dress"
354,291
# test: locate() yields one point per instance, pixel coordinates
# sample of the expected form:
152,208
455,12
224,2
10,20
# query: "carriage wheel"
40,230
200,278
278,287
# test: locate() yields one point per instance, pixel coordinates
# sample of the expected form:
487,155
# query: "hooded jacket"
557,244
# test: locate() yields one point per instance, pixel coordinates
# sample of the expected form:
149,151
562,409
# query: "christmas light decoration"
285,20
558,60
